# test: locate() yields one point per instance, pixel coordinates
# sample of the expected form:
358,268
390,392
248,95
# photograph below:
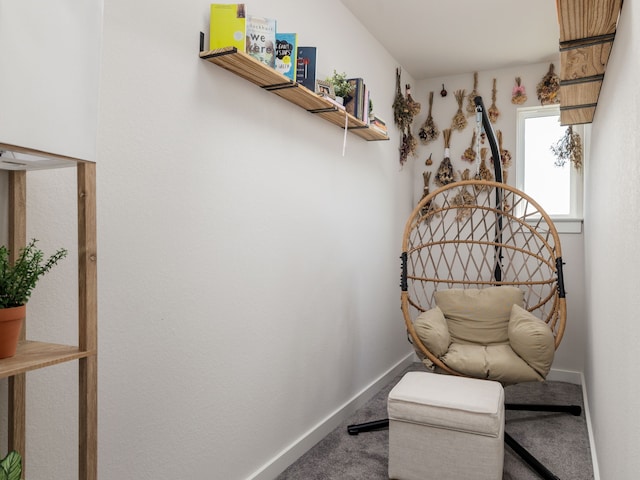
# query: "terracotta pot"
11,320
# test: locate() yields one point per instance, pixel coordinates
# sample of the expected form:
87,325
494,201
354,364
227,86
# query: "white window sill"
565,225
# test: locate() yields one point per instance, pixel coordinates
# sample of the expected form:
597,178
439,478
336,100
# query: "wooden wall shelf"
32,355
250,69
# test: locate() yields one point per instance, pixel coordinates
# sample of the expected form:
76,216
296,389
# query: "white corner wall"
569,358
612,258
248,273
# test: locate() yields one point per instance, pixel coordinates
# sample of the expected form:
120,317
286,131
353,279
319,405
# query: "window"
558,189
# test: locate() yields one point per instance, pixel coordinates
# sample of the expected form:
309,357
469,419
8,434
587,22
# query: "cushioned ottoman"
445,427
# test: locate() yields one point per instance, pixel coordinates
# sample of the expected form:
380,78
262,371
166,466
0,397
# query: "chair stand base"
368,426
518,449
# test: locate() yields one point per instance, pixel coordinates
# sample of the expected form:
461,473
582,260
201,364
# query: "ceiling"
434,38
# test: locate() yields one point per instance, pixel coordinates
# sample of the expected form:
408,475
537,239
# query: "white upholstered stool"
445,427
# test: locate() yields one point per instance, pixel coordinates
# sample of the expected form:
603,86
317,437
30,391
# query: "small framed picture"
325,89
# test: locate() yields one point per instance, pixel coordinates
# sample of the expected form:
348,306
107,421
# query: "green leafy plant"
341,86
17,281
11,466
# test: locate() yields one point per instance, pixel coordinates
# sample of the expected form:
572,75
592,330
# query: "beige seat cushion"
492,362
531,339
479,316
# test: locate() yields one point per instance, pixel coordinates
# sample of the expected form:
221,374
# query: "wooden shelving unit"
32,355
259,74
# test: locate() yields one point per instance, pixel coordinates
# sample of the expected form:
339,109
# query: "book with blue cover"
287,54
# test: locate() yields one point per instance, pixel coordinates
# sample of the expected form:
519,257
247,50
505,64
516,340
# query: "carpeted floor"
559,441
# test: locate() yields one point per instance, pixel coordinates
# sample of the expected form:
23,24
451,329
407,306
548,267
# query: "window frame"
571,222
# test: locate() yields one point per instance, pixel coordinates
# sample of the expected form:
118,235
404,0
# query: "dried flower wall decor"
429,206
445,174
429,130
568,149
401,114
549,87
469,154
505,157
408,145
518,94
471,104
412,105
459,121
463,199
493,111
483,172
428,162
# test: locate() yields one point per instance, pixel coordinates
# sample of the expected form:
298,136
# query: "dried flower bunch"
568,149
483,172
429,130
463,199
459,121
549,87
408,145
412,105
493,111
445,174
401,113
518,94
429,206
470,153
505,157
471,104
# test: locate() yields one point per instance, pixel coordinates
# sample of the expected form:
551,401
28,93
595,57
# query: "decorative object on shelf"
341,85
568,149
445,174
325,89
11,466
443,92
518,94
470,153
463,199
493,111
17,282
459,121
428,162
429,130
471,104
549,87
483,172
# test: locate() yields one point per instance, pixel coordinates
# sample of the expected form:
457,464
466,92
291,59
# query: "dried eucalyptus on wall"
459,121
549,87
568,149
445,174
429,130
518,94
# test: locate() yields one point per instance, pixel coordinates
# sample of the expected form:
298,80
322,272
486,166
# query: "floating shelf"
250,69
34,355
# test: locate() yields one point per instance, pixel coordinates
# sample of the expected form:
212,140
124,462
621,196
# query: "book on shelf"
287,54
355,102
378,129
261,39
227,26
306,67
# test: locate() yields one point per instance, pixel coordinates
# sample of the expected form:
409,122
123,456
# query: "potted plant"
341,85
17,281
11,466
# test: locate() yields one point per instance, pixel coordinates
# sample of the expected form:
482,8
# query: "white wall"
613,260
248,273
570,354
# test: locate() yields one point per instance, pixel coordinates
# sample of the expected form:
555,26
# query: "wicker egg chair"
473,237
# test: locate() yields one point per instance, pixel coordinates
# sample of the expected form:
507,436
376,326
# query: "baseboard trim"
568,376
592,442
290,454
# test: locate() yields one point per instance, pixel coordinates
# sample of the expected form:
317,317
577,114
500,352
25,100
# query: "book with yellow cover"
227,26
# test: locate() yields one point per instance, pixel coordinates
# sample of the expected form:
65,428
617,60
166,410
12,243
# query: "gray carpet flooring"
560,441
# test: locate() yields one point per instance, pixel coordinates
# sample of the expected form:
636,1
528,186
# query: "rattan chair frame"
499,236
